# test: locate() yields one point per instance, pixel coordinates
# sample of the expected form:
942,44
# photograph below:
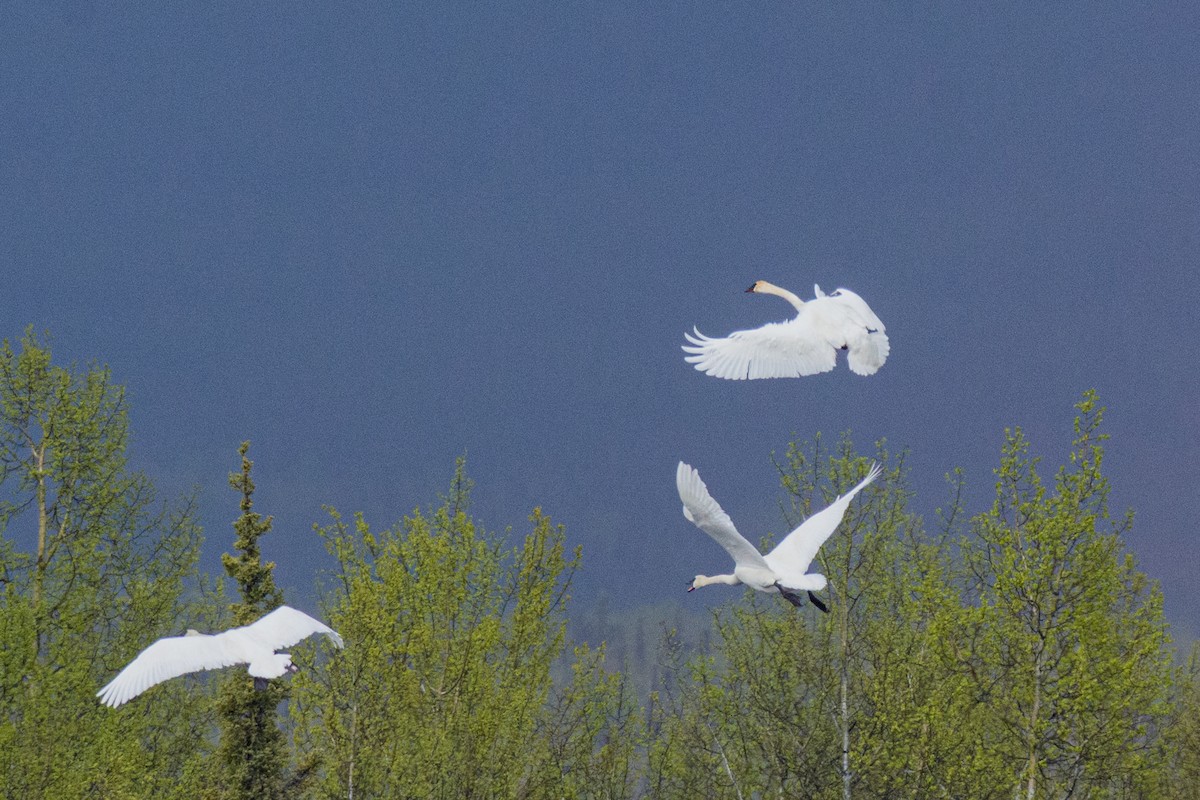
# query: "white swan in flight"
784,569
253,644
805,345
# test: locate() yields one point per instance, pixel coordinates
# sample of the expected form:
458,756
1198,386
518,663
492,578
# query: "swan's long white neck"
706,580
762,287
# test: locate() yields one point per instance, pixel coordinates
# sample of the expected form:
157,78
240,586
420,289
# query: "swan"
804,345
253,644
784,569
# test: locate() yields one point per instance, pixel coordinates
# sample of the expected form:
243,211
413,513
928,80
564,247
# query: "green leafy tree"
90,572
753,719
590,735
445,687
866,576
1063,641
1179,774
252,755
788,694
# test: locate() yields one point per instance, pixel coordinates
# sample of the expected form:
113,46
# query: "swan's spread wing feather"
705,513
169,658
795,553
285,626
858,307
776,350
867,351
845,320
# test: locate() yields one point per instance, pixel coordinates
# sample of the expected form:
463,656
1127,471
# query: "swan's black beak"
691,587
751,289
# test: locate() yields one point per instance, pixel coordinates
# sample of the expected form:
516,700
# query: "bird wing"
795,553
169,658
285,626
858,308
705,513
776,350
845,320
866,351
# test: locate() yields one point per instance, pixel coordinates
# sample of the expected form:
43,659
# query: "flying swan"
784,569
805,345
253,644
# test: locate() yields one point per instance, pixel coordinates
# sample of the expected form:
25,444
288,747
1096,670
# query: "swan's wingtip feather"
686,478
874,472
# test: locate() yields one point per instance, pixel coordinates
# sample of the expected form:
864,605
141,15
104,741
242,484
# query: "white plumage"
805,345
784,569
253,644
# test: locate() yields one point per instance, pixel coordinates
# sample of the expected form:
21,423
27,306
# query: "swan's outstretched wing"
285,626
702,510
776,350
169,658
793,555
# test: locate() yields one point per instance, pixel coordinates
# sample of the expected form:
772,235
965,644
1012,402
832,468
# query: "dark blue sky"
372,238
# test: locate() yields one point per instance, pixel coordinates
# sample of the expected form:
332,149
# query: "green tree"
1064,641
90,572
590,736
445,687
866,576
1180,751
252,754
753,718
787,695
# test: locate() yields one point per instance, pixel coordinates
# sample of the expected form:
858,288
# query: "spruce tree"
252,752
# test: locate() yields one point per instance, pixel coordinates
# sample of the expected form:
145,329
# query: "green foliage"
753,720
1017,653
1179,753
1064,641
252,753
255,580
1032,661
756,719
590,735
444,687
90,572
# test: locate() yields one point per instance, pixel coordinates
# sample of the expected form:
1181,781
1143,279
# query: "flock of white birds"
808,344
805,345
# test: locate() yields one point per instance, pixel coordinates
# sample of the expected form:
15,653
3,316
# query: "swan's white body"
253,644
805,345
784,569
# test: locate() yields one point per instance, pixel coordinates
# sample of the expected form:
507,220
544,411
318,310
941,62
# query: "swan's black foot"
816,601
795,598
260,684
